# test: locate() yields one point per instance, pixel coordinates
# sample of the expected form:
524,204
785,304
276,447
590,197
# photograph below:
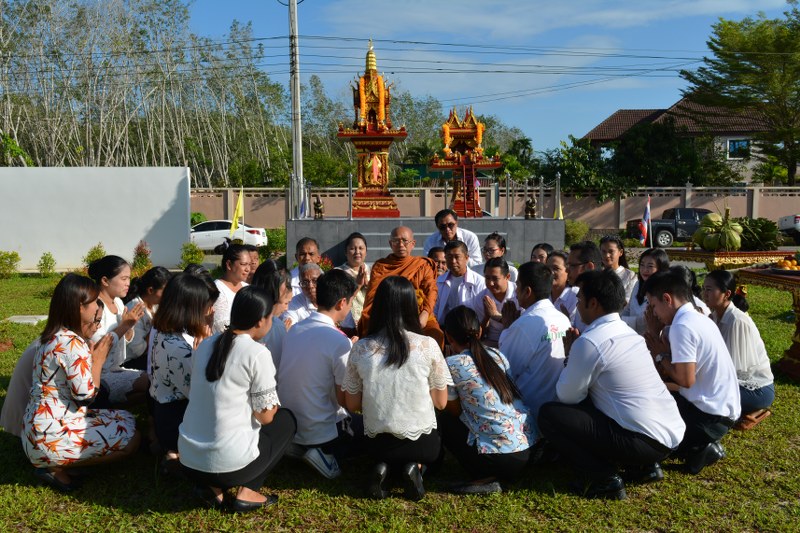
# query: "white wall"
67,210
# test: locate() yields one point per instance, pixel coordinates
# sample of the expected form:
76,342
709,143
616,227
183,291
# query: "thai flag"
644,224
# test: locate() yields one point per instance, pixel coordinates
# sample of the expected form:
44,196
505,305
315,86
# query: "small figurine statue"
319,209
530,208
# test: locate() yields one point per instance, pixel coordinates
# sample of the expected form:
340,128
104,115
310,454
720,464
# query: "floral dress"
57,428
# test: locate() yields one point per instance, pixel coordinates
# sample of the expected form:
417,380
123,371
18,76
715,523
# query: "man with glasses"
306,251
420,271
583,257
447,223
460,284
305,303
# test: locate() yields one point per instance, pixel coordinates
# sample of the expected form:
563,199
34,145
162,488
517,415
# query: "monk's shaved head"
402,241
403,232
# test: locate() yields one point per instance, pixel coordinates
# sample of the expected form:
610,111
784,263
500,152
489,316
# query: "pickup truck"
790,225
680,223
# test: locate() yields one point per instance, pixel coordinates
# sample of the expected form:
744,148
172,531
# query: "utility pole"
299,201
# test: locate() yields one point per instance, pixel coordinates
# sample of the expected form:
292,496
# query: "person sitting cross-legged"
613,409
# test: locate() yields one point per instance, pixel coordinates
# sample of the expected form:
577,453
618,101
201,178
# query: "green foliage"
46,265
141,260
759,234
584,168
276,243
191,253
95,252
196,218
407,177
11,154
8,264
631,243
770,172
574,231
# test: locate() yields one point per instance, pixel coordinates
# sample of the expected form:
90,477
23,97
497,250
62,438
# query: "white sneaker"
324,464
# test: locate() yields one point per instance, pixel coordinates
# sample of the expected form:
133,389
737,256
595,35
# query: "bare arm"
439,397
352,401
681,373
265,417
341,397
454,407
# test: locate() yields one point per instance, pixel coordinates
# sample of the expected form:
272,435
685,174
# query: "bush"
276,243
95,252
8,264
574,231
141,260
631,243
46,265
191,253
197,218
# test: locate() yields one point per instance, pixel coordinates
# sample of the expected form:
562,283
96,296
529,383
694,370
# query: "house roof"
695,118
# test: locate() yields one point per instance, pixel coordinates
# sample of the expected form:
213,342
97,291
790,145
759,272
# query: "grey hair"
307,267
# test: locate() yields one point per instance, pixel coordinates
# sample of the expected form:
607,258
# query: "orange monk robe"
421,272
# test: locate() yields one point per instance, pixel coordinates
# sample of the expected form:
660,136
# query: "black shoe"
543,452
377,477
242,506
643,474
207,496
414,489
477,488
48,477
610,488
710,454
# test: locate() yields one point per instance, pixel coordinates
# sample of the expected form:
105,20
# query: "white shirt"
512,270
694,338
109,322
471,285
274,341
295,274
312,367
141,330
495,327
219,433
746,348
569,300
397,400
463,235
633,313
611,364
222,307
299,309
535,349
629,280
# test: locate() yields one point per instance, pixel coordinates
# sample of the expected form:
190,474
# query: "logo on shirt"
553,334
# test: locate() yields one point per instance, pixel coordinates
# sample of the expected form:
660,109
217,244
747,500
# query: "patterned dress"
58,429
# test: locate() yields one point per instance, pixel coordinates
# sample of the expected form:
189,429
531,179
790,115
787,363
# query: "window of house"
738,148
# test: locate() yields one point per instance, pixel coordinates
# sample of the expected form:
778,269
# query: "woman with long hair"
494,245
612,252
59,430
235,271
487,426
500,291
145,290
729,312
233,431
355,248
397,377
651,261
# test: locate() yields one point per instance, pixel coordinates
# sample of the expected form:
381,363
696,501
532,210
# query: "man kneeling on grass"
613,409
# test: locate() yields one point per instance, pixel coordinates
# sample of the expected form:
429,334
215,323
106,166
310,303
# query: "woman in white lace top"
397,377
235,271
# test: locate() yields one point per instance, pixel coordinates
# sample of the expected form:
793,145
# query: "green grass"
755,488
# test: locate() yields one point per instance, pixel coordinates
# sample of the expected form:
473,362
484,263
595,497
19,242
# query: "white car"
210,234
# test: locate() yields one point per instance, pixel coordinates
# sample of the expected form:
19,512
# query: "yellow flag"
558,214
238,212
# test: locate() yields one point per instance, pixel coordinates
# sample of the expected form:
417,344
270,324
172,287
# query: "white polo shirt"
611,364
535,349
476,304
694,338
463,235
299,309
313,364
471,285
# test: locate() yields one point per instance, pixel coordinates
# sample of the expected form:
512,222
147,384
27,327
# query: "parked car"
210,234
790,225
680,223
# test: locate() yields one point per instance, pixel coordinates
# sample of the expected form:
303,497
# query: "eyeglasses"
449,225
308,282
404,242
490,250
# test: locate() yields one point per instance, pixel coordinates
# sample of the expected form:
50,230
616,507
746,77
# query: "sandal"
45,475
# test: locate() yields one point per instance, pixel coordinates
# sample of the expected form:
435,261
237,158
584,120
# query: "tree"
584,168
756,66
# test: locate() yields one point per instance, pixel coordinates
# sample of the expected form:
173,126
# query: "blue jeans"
753,400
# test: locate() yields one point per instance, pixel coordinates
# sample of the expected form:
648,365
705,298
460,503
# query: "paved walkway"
31,320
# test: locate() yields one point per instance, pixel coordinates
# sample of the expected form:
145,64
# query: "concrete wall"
66,211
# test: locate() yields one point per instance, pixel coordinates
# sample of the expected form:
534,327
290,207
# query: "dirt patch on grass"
5,345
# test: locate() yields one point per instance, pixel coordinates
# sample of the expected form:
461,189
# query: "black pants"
506,466
387,448
273,439
701,428
349,441
167,417
594,443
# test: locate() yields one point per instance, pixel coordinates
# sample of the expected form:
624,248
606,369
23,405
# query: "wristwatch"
660,357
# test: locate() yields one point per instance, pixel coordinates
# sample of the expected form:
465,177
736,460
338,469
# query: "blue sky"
551,68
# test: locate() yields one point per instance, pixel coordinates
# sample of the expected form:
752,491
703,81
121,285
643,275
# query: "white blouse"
633,313
222,307
746,347
109,322
358,298
397,400
629,279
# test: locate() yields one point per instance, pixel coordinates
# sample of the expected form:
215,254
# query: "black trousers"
386,448
273,439
701,428
506,466
167,418
596,444
349,441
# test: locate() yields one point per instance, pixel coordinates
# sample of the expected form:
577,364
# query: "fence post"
755,198
687,195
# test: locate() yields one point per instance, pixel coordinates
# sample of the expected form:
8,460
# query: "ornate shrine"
372,135
463,155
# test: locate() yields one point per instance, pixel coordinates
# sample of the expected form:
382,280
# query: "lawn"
755,488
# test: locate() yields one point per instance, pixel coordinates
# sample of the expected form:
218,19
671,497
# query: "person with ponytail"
233,431
487,426
398,377
278,283
651,261
235,271
146,290
744,342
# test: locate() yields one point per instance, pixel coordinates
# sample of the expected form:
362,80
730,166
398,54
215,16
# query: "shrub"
46,265
8,264
574,231
141,260
191,253
276,243
95,252
197,218
631,243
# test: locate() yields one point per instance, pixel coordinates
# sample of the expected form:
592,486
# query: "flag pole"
650,221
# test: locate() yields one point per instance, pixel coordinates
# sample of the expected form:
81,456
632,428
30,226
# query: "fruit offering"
788,263
717,233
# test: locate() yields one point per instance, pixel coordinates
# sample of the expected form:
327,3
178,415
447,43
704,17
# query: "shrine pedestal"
374,204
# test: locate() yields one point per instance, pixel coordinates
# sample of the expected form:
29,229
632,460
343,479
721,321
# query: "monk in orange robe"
420,271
